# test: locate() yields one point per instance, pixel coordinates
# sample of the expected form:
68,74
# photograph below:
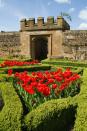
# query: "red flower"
17,63
63,86
54,86
67,73
10,71
30,90
46,91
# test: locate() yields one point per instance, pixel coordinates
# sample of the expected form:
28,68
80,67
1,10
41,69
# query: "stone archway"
39,47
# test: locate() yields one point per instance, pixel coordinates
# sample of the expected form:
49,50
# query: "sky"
12,11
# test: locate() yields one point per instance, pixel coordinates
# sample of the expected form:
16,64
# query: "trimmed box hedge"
53,115
43,117
81,117
1,101
11,113
65,63
27,68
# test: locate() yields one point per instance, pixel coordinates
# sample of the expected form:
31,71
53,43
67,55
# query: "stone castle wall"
61,42
9,44
75,44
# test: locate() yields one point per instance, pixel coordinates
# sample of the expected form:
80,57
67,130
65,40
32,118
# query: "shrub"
81,117
54,115
1,101
11,114
26,68
65,63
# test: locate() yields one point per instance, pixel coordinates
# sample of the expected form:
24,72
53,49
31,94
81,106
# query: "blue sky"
12,11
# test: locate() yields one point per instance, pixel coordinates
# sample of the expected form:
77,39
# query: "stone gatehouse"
41,40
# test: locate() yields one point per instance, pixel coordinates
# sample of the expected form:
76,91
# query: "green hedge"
54,115
65,63
61,113
81,117
11,114
27,68
1,101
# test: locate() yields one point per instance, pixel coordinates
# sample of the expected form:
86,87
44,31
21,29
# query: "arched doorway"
39,47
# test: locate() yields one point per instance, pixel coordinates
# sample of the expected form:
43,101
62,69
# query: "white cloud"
63,1
71,10
83,14
83,26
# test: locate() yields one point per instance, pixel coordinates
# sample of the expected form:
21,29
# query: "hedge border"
43,117
65,63
80,100
81,117
27,68
11,114
36,118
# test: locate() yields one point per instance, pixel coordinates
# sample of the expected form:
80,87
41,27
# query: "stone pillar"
49,47
31,22
32,47
22,24
40,21
60,21
25,44
50,20
29,46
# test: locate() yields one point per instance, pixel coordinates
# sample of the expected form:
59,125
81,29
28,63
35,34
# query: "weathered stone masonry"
40,40
9,43
50,31
75,44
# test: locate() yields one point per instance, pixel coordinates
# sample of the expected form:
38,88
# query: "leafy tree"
63,14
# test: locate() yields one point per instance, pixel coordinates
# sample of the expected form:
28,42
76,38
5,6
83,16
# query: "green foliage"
11,114
26,68
43,118
1,101
64,14
54,115
65,63
3,77
81,117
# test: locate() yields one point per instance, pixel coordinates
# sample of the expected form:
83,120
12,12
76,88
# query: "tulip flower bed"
43,86
9,63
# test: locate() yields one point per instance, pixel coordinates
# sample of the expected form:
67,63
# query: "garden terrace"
64,114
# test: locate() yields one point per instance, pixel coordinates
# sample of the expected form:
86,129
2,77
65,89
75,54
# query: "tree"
63,14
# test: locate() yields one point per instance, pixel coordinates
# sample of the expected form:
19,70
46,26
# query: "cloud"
83,14
83,26
71,10
63,1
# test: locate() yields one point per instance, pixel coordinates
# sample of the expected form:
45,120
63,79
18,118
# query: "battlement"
51,24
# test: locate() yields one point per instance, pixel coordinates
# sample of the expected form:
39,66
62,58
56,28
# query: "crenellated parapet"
51,24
